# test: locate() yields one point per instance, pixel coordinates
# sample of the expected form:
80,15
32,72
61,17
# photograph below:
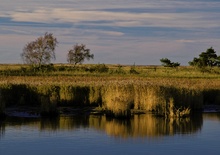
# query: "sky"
116,31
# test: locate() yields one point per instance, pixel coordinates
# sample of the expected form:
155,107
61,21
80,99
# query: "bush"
43,68
167,63
100,68
120,70
133,70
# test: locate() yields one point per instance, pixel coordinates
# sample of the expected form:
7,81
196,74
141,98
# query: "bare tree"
78,54
40,51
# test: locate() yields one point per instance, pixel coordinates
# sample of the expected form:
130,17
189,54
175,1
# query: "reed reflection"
212,116
2,129
149,126
145,126
64,123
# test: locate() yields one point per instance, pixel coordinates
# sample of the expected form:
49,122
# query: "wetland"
79,110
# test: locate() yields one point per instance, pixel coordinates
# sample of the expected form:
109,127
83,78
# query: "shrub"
100,68
133,70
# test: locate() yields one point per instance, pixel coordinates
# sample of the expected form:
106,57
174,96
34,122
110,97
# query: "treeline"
209,58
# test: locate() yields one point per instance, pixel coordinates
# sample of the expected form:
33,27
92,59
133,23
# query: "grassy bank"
117,91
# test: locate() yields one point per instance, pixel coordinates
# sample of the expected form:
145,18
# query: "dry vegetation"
116,90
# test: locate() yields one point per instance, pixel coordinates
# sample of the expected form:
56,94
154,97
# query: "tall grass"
165,100
118,98
117,94
157,89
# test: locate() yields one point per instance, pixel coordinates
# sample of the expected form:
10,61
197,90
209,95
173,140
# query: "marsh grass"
164,100
115,90
118,99
117,95
170,110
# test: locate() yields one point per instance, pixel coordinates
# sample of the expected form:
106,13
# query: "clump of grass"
95,96
133,70
118,99
172,111
147,96
99,68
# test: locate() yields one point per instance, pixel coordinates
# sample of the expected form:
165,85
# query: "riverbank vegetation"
117,90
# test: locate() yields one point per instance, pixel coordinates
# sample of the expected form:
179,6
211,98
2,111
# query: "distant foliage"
119,70
41,51
100,68
206,59
78,54
167,63
133,70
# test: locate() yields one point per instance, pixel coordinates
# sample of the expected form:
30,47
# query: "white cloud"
109,27
176,20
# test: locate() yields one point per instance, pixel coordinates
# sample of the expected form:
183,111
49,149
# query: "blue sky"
116,31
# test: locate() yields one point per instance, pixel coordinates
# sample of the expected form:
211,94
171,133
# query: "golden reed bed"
115,94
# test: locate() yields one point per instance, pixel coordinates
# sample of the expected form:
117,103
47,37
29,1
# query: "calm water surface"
143,134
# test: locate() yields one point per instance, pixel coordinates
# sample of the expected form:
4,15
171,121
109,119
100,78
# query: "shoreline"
30,112
34,112
115,96
166,91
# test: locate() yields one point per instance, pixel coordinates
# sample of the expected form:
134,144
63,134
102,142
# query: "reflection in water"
149,126
2,128
211,116
146,126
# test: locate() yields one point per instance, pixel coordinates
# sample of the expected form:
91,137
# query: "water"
143,134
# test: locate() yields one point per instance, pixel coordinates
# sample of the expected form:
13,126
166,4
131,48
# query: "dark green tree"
78,54
167,63
205,59
40,51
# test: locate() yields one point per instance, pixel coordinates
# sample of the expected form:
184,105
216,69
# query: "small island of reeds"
113,90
